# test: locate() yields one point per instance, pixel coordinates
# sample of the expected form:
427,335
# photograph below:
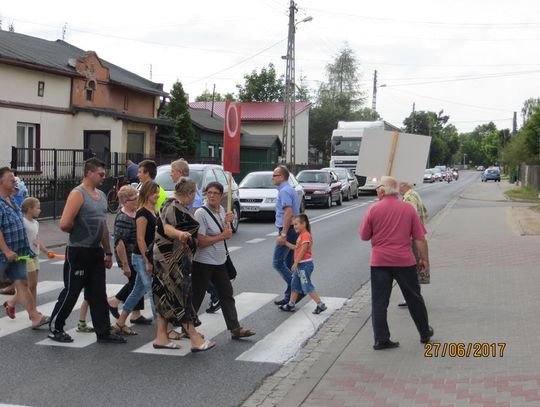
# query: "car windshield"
165,181
312,176
428,172
259,180
340,172
346,147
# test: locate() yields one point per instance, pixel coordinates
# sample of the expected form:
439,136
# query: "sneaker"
320,308
84,328
214,306
287,307
283,301
60,336
111,338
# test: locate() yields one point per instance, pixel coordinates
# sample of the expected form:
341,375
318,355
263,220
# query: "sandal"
170,345
184,332
123,330
44,320
240,332
175,336
10,310
207,345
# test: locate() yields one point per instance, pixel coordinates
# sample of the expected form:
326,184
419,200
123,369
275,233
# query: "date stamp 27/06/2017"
464,350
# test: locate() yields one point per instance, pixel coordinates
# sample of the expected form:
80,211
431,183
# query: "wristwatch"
108,254
283,234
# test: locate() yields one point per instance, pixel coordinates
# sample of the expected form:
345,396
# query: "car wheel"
236,219
349,195
357,194
340,200
302,206
328,201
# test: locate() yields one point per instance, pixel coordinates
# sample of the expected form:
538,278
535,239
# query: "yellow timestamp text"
464,350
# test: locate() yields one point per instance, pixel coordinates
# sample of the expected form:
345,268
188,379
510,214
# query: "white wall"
21,85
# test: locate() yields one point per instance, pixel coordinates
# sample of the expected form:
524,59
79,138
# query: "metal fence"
529,175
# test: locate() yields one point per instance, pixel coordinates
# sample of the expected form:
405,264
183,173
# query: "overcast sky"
474,59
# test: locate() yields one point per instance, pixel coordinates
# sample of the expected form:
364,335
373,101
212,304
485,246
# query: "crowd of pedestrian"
174,251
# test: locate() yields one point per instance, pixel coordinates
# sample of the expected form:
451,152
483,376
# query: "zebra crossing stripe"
213,324
284,342
80,340
21,321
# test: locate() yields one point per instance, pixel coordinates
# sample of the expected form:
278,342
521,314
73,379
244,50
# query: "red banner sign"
231,137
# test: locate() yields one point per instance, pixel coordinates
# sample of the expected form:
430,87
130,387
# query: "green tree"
206,96
531,136
529,106
180,138
338,98
261,87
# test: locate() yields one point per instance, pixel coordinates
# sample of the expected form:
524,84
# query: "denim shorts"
15,270
301,279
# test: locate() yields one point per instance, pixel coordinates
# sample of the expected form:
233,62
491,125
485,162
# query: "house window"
27,143
220,153
135,143
210,151
90,88
125,103
41,89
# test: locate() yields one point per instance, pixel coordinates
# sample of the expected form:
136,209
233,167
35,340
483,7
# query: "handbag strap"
218,225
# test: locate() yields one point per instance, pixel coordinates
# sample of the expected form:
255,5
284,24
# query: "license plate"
308,197
250,208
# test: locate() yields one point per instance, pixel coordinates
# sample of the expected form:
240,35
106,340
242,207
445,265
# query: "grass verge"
523,193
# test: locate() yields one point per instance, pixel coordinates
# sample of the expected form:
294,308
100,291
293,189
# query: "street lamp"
464,157
289,98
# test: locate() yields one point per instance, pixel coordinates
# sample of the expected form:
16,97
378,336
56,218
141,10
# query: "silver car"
202,175
349,183
258,194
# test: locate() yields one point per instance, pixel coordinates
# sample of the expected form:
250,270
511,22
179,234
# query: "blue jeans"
143,285
301,279
283,260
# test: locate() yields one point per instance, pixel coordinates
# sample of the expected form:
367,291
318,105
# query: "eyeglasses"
101,174
213,193
276,175
378,186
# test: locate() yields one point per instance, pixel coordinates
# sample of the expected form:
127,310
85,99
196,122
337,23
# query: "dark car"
202,175
349,183
491,174
321,187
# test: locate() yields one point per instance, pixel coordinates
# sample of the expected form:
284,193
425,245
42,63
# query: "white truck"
345,145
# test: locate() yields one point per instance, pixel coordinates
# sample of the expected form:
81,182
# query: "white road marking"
213,324
335,213
256,240
284,341
273,234
233,248
80,340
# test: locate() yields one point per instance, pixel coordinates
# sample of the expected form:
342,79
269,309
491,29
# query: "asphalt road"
104,375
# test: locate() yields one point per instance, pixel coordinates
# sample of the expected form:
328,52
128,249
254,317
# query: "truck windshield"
346,147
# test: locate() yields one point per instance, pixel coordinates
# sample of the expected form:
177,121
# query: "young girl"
31,209
302,266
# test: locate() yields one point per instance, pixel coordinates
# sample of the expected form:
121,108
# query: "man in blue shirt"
287,206
13,246
131,171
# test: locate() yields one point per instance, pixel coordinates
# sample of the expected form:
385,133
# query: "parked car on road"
349,183
491,174
321,187
202,175
480,168
258,194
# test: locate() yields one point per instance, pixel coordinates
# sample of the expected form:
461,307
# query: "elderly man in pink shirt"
390,224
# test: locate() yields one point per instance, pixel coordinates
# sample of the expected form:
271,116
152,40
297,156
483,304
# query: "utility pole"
374,100
289,94
64,30
514,124
413,114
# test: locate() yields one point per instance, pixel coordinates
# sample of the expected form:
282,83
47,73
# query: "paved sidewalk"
54,238
485,279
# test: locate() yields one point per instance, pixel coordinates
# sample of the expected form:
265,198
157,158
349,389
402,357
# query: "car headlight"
270,200
374,179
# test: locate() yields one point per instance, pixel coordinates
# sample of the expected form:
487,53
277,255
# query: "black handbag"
229,266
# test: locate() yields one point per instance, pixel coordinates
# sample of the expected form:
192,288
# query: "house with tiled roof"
257,151
266,118
55,95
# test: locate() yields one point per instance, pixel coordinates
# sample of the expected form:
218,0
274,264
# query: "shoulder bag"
229,266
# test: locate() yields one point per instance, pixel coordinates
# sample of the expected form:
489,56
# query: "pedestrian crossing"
277,347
